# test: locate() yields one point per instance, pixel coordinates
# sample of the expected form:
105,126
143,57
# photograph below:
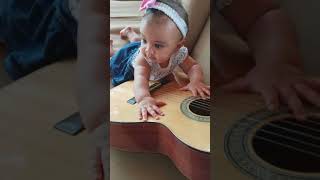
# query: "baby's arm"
91,65
268,31
195,74
141,78
147,104
92,81
277,74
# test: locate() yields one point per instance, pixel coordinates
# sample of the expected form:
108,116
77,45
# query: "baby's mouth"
150,58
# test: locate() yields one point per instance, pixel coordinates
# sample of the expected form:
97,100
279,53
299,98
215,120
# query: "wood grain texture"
193,133
186,142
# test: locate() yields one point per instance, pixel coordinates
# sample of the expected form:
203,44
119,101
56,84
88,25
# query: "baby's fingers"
309,94
293,102
144,113
194,92
140,114
184,88
271,98
207,91
200,91
240,84
158,110
160,103
314,83
152,112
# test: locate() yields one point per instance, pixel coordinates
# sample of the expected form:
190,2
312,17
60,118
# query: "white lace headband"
181,24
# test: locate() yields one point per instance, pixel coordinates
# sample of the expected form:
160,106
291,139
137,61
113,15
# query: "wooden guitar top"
193,133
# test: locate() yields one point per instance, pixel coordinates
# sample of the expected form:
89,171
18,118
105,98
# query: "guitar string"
290,138
178,98
204,101
204,105
197,104
169,90
287,129
306,127
287,137
289,146
314,122
285,145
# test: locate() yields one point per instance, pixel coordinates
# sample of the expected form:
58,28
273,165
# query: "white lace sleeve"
181,55
133,59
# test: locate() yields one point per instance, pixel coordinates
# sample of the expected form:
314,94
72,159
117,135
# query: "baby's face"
159,41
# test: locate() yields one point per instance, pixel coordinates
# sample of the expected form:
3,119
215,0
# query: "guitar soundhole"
290,144
196,108
200,107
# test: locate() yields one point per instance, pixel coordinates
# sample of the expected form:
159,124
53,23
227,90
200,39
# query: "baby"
274,66
163,28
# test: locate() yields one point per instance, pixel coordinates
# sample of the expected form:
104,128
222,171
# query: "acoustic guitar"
183,134
251,142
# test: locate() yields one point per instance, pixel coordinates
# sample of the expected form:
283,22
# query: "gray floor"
142,166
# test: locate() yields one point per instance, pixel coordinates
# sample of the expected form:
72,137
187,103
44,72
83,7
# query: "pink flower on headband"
145,4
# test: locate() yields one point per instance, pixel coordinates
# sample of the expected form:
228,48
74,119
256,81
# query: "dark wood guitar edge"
156,138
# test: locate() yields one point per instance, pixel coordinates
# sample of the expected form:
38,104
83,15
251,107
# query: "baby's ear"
181,43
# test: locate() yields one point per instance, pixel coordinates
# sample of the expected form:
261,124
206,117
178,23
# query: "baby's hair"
174,4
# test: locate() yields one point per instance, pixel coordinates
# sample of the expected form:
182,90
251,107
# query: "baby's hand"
284,83
198,88
149,105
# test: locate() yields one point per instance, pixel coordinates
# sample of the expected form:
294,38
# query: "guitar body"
185,139
251,142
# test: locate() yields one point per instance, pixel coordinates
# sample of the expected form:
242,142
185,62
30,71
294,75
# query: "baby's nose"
149,52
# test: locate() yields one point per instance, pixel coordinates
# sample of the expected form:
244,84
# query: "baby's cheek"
142,49
163,55
143,52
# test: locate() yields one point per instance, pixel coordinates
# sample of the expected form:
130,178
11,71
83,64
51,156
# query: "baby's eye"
143,41
158,46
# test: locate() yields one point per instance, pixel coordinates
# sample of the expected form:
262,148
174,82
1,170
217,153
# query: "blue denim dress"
121,68
36,33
